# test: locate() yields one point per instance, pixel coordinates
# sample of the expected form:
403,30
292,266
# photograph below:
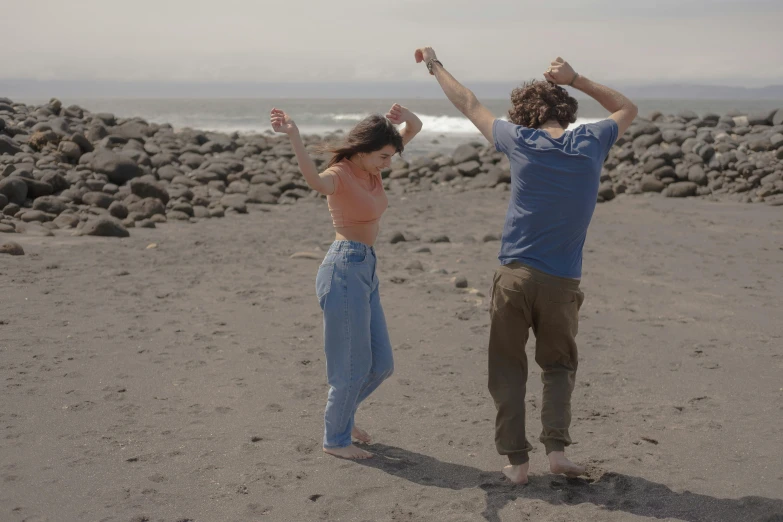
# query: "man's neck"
553,128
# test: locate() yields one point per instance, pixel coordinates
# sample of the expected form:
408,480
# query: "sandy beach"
185,381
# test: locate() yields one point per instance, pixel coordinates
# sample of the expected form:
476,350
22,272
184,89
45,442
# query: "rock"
32,216
15,189
50,205
681,189
148,188
776,140
606,192
11,248
36,188
490,237
104,227
262,194
7,229
440,239
397,237
465,153
148,207
201,212
652,184
774,201
460,282
763,117
11,209
687,115
66,221
177,215
697,175
56,180
119,169
8,146
422,250
777,119
118,210
98,199
237,202
70,150
469,168
3,201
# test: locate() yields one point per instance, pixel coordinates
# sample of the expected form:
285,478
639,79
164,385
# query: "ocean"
444,127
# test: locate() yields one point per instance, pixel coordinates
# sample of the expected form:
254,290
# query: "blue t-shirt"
554,187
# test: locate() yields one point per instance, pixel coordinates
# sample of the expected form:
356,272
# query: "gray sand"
187,382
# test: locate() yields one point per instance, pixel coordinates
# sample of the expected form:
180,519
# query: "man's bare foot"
361,435
517,474
349,452
559,464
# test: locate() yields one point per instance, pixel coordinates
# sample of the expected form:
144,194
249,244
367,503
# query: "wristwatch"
430,62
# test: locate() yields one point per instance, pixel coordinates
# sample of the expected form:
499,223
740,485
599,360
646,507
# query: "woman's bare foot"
517,474
361,435
559,464
349,452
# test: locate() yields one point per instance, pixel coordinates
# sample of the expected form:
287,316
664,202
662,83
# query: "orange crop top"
358,199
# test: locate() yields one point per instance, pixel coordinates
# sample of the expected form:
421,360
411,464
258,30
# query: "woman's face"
375,162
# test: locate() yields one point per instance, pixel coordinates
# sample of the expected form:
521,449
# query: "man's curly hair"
538,101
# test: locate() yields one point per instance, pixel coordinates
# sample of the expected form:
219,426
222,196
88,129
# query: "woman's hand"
560,72
282,123
398,114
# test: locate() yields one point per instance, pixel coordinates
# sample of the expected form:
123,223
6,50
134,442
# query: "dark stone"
681,189
8,146
11,248
764,117
3,201
397,237
15,189
263,194
50,204
118,209
149,188
606,192
148,207
651,184
119,169
237,202
98,199
440,239
653,165
31,216
470,168
461,282
56,180
697,175
104,227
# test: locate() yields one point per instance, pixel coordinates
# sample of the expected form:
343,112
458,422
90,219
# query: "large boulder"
119,169
15,189
149,188
8,146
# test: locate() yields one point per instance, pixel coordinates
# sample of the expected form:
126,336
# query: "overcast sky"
632,41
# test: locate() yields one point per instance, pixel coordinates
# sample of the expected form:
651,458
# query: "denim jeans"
356,340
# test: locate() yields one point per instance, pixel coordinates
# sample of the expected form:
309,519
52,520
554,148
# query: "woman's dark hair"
538,101
371,134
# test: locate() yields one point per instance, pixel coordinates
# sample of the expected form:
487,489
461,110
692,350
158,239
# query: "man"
554,186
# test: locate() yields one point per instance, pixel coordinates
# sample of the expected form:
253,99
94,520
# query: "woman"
356,341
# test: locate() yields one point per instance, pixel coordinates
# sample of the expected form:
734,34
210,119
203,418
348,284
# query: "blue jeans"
356,340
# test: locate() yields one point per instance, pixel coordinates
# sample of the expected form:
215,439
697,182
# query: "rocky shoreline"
66,169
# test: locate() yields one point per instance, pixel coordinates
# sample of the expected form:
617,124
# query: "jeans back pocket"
323,281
